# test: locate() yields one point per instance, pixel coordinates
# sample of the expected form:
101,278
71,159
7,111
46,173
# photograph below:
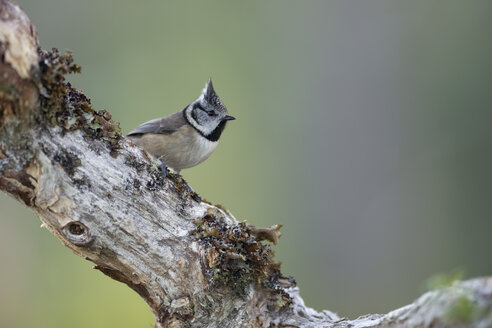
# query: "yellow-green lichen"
462,311
66,107
443,280
235,258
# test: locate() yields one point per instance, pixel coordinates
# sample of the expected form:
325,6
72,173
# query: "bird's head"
208,114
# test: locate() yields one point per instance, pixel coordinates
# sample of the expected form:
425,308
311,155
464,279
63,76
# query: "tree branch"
192,262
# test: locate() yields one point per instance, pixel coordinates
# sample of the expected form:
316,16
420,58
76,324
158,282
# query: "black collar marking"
214,136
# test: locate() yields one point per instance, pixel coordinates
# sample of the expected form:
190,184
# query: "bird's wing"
164,125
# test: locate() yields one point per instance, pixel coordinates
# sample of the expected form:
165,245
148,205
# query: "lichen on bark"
64,106
193,263
235,258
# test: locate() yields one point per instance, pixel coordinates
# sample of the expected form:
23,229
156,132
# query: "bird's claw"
163,169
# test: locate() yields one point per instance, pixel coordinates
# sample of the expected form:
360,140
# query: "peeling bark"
193,263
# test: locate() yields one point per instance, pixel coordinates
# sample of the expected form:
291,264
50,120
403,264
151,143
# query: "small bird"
188,137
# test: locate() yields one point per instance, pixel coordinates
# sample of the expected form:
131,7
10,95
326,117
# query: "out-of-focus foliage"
442,280
364,127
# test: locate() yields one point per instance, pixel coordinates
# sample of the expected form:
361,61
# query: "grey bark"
193,263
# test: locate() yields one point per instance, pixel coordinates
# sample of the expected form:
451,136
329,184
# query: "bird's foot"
163,169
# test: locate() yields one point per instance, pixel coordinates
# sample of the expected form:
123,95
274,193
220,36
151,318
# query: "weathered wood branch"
192,262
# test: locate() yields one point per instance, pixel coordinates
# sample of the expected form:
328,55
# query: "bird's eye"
209,113
199,107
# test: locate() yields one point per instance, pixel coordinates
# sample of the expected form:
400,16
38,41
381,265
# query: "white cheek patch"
193,122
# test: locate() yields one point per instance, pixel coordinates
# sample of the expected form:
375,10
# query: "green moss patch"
235,258
462,311
64,106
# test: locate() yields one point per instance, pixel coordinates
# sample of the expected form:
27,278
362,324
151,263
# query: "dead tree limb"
192,262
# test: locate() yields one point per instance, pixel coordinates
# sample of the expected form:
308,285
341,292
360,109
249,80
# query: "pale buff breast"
180,150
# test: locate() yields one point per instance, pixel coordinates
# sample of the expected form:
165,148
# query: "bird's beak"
229,118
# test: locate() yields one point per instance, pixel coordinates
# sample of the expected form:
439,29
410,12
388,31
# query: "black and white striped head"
207,114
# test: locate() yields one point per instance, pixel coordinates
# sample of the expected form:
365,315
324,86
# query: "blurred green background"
364,127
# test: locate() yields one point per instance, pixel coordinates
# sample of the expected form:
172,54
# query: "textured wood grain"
193,263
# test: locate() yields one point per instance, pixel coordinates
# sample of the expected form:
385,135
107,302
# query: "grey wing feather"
164,125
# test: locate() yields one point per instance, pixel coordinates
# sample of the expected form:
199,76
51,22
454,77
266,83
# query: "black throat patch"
214,135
